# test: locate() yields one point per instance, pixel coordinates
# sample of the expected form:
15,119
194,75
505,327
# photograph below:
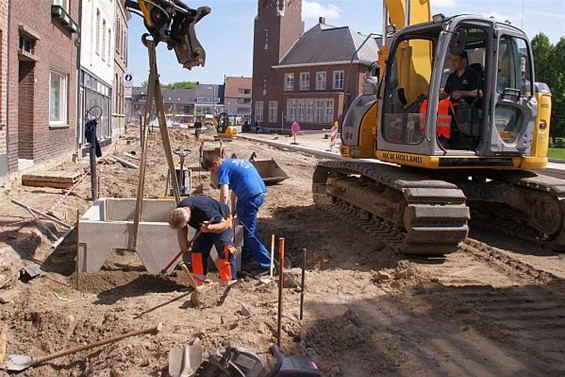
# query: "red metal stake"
281,282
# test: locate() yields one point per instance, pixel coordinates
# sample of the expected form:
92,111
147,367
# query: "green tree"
144,84
541,49
557,85
181,85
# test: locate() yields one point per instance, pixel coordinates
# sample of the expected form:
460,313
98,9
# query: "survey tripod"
171,22
155,94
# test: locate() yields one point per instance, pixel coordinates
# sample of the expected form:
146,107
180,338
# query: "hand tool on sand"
22,362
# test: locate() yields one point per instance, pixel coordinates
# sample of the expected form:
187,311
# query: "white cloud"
313,10
514,18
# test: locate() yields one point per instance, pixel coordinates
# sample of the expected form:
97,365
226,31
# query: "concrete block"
108,225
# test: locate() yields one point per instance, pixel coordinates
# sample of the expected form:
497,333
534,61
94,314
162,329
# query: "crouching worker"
213,219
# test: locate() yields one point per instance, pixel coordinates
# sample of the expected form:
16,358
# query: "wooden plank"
62,179
61,185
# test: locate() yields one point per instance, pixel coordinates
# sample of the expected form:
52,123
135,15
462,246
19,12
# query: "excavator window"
513,86
408,78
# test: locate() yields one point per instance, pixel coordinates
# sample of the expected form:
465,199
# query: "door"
515,106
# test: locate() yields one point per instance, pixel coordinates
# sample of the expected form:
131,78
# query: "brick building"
304,76
3,86
42,58
237,99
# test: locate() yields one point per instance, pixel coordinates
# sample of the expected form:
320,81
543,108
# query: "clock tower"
278,26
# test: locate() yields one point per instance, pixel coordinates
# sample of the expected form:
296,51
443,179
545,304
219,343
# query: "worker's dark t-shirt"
204,208
469,80
197,124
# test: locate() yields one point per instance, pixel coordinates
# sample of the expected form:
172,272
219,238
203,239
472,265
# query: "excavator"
418,191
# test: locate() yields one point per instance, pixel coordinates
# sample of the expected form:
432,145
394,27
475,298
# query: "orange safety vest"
443,124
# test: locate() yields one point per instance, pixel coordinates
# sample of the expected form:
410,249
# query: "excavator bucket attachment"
269,170
172,22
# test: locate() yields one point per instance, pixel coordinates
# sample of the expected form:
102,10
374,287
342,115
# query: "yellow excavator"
422,192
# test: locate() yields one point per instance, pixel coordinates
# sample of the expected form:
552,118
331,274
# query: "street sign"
128,80
127,92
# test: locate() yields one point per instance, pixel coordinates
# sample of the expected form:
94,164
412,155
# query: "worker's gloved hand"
204,228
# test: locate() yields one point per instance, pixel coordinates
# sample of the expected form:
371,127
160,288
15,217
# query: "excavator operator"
461,85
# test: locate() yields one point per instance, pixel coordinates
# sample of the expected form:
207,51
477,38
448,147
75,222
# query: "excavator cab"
225,129
493,129
409,124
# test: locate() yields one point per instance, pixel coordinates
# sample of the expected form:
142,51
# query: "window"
57,98
266,33
103,39
109,45
243,91
399,125
320,80
304,80
300,111
98,30
338,80
329,111
310,110
259,111
27,44
291,110
288,82
62,3
273,108
319,112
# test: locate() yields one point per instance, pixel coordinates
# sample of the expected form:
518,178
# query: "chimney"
322,20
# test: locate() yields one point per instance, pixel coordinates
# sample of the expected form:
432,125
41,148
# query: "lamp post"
213,99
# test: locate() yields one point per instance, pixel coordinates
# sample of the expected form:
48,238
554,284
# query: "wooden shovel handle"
41,360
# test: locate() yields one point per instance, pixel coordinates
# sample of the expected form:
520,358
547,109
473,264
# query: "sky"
227,32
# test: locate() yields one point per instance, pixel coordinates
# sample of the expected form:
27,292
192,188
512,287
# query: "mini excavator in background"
423,201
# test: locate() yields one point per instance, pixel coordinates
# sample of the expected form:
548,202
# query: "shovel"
20,362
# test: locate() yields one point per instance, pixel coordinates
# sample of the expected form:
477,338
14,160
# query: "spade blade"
17,362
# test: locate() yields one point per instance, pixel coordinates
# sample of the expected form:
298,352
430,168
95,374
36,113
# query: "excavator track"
524,205
416,214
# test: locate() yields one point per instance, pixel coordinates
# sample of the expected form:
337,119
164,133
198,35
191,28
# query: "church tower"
278,26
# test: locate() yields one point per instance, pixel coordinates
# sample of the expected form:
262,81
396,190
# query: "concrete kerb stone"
300,148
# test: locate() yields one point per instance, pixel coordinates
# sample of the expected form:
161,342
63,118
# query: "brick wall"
3,84
54,50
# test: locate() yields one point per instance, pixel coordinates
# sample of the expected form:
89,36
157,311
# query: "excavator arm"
172,22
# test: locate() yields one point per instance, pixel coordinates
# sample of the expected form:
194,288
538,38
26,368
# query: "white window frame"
109,44
98,31
103,52
288,82
310,110
61,112
259,111
300,108
338,77
291,109
321,79
329,111
319,111
304,80
63,4
273,111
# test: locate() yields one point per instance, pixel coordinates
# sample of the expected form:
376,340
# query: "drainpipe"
78,43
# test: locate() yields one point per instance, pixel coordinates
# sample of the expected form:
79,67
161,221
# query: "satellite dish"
458,41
